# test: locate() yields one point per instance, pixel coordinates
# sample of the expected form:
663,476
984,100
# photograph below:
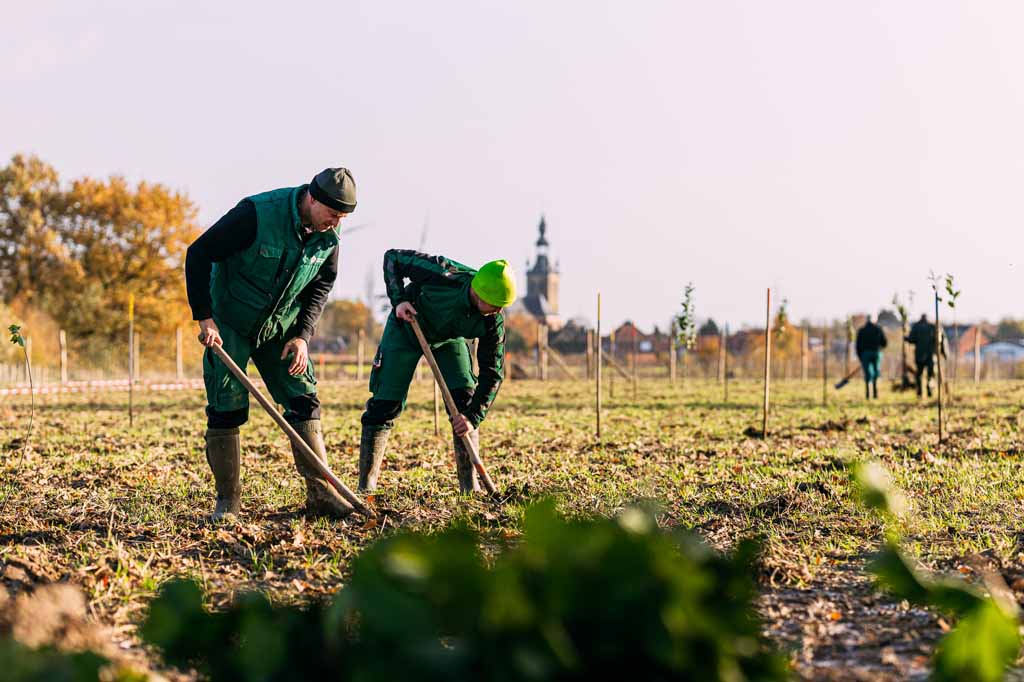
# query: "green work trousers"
225,393
397,357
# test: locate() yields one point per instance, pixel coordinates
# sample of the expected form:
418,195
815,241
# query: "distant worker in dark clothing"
870,342
922,335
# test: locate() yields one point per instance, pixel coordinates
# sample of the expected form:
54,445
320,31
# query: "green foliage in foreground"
986,639
22,664
577,600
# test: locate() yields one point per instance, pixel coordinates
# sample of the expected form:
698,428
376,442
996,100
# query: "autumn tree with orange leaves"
76,250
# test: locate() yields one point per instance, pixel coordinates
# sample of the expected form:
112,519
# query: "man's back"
922,335
870,338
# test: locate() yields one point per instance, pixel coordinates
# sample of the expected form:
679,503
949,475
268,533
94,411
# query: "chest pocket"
265,267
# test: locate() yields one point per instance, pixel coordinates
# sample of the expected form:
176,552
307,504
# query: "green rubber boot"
321,497
372,444
224,455
468,482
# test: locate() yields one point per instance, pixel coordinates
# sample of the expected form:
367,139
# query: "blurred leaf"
576,600
985,640
980,648
877,490
22,664
895,574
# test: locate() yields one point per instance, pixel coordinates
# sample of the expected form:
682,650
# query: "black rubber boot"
468,482
321,497
372,444
224,455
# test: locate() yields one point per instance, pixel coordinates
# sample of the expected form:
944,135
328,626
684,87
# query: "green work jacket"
256,291
439,291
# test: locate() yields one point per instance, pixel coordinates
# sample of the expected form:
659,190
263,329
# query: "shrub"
577,600
986,639
20,663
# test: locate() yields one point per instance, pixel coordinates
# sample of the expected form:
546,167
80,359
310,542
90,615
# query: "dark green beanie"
335,187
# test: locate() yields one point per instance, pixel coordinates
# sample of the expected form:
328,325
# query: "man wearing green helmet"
452,303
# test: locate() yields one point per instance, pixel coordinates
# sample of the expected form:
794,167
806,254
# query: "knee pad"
230,419
381,413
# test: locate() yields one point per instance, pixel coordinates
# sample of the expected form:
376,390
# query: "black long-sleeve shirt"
234,232
870,338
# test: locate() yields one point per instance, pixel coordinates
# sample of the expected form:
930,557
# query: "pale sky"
834,151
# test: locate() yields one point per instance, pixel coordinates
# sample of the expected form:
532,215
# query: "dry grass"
118,511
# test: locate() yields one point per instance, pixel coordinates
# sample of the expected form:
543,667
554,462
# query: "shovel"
845,380
296,439
452,409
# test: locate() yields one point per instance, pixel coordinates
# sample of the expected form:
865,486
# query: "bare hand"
300,361
461,425
405,311
209,335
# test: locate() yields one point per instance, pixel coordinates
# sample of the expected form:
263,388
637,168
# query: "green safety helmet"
495,283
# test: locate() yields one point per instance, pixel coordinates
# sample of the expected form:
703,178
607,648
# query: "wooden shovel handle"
296,439
452,409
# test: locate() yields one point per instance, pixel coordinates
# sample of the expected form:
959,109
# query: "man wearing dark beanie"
257,283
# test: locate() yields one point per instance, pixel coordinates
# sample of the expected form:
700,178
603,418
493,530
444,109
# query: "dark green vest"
256,290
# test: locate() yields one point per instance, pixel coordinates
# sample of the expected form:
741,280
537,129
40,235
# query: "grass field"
118,510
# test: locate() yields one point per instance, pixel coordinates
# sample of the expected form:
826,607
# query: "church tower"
542,277
541,299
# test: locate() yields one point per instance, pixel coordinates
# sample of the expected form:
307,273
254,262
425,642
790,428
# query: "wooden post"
131,358
557,357
849,347
137,354
360,353
720,373
824,364
804,353
636,333
953,368
767,361
63,338
542,350
725,361
903,353
539,360
672,354
179,359
597,365
589,350
437,410
977,353
938,361
611,354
